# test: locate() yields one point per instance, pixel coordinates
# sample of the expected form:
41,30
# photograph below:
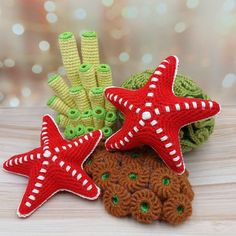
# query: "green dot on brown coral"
115,199
135,155
133,176
144,207
180,209
105,176
166,181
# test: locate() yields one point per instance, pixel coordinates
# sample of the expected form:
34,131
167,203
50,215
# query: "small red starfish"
154,115
57,165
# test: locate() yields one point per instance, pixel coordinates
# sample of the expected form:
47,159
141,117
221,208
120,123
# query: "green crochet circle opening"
69,132
87,113
97,90
133,176
73,113
65,35
144,207
180,209
80,130
75,89
99,112
105,176
85,67
115,199
89,34
192,135
166,181
135,155
51,100
89,129
104,68
111,116
52,78
107,131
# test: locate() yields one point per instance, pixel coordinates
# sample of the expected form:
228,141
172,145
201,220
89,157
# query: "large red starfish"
154,115
55,166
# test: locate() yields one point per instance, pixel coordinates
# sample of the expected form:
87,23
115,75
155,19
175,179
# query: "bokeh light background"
134,35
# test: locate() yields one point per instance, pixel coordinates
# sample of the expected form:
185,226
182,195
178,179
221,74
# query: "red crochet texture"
154,115
55,166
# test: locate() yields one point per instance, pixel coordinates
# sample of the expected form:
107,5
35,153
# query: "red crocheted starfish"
154,115
55,166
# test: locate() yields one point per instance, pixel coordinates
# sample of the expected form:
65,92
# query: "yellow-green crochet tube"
58,85
69,132
104,76
107,131
110,118
109,106
58,105
98,117
79,130
89,48
70,57
80,98
87,76
87,117
75,116
96,97
62,120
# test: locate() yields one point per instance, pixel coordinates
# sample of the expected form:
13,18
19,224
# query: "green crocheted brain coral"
191,136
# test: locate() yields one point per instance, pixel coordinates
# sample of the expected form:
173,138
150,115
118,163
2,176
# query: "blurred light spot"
116,34
52,18
49,6
124,56
8,62
180,27
80,13
37,69
14,102
107,3
161,8
26,92
18,29
229,5
229,80
61,70
192,3
130,12
44,46
147,58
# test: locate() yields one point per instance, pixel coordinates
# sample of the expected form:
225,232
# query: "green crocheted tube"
111,116
87,117
99,112
89,129
85,67
107,131
79,130
97,90
73,113
191,136
65,35
69,132
104,68
89,34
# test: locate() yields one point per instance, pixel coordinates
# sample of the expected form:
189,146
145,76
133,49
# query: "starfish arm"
75,180
41,186
161,81
168,148
123,99
22,163
50,133
187,110
125,138
78,150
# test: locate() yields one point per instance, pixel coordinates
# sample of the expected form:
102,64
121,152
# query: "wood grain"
212,172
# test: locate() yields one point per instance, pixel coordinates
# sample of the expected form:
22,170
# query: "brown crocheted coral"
177,209
164,183
105,174
145,206
133,177
116,200
142,174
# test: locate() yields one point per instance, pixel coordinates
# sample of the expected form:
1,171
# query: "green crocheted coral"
191,136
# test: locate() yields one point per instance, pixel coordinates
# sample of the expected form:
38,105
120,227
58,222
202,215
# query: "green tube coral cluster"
80,101
191,136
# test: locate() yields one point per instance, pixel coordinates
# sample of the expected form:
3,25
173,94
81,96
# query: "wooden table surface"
212,173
